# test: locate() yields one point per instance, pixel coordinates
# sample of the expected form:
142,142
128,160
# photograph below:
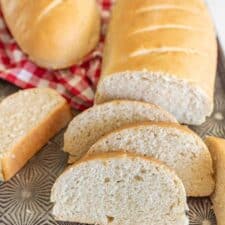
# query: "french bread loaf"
166,54
86,128
28,119
217,150
176,145
119,188
54,33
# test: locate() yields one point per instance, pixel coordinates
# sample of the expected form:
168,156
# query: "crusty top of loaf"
54,33
22,111
166,54
162,32
192,4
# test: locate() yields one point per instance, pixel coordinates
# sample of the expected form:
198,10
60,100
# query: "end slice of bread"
176,145
89,126
28,119
119,188
217,150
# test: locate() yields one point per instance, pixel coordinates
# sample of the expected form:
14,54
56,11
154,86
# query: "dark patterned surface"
24,200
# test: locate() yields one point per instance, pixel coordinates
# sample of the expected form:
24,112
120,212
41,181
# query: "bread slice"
89,126
176,145
28,119
217,150
119,188
165,55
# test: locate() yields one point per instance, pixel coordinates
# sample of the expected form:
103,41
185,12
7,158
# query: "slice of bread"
176,145
217,150
89,126
28,119
119,188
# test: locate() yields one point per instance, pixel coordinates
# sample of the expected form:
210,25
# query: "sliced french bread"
217,150
89,126
119,188
177,146
28,119
166,54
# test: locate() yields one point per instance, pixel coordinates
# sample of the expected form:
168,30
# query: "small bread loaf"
54,33
177,146
164,54
118,188
217,150
89,126
28,119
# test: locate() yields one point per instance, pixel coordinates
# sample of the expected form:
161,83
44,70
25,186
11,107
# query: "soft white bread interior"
28,119
86,128
119,188
177,146
54,33
166,54
217,150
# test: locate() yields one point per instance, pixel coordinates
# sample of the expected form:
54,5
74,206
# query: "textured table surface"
24,200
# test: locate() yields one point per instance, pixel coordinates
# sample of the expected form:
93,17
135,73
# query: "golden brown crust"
167,38
195,62
63,31
217,150
192,4
37,138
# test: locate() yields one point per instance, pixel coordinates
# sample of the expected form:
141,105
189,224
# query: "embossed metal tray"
24,200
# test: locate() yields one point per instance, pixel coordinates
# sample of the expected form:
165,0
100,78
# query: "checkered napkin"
77,84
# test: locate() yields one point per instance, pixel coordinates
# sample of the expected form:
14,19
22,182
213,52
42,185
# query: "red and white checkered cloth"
77,83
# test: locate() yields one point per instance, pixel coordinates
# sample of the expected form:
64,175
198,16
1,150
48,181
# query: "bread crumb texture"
115,190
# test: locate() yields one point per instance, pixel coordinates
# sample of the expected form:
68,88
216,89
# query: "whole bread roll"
54,33
165,53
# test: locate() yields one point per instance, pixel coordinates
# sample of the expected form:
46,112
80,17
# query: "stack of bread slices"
132,163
